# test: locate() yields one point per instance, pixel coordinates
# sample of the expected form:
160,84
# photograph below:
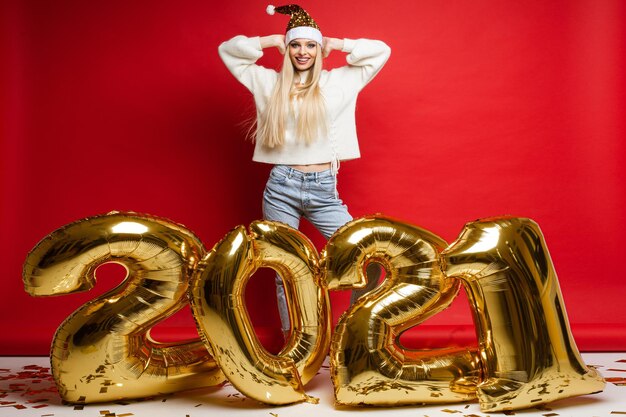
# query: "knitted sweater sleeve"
365,59
240,54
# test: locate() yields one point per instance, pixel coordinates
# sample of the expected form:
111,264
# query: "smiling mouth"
302,60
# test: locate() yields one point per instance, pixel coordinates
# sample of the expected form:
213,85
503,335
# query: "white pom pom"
270,9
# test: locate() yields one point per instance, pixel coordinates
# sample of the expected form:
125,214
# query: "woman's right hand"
277,41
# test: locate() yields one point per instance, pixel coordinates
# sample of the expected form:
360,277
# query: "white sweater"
339,87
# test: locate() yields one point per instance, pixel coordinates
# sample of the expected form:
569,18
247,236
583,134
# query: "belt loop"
317,177
290,172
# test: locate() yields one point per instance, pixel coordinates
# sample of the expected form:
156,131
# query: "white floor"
26,389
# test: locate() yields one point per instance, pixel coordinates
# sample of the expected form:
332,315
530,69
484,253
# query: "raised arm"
240,54
365,58
270,41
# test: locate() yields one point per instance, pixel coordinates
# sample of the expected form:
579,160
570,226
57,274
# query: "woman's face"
302,53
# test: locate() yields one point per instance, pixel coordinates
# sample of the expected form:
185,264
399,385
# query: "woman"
305,121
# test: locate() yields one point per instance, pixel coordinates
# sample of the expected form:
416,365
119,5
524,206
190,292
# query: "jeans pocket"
277,177
326,186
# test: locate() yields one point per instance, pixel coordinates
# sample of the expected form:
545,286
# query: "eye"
310,45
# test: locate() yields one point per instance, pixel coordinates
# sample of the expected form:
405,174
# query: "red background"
486,107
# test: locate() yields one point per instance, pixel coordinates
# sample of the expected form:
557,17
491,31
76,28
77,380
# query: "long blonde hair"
311,118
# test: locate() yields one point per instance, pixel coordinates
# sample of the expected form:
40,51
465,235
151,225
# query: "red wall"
486,107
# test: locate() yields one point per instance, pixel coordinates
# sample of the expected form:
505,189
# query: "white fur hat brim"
304,32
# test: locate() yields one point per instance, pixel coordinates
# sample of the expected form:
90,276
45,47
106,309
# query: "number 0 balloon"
220,311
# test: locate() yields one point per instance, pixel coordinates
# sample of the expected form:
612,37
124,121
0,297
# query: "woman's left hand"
331,44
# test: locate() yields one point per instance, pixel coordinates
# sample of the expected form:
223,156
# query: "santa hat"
300,26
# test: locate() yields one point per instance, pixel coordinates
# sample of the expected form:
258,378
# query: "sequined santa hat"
300,26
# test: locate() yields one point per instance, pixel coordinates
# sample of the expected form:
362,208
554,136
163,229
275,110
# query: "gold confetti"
618,412
550,414
446,410
616,370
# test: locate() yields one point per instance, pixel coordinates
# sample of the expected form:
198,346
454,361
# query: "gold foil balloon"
103,351
221,314
526,345
368,365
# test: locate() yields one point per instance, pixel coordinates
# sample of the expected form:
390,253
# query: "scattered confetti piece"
616,370
550,414
617,381
618,412
446,410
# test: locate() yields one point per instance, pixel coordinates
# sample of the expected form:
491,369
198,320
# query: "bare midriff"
312,168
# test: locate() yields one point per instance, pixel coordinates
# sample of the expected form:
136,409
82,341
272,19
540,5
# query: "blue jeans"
290,195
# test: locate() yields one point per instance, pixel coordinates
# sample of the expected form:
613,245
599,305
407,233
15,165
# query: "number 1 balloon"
526,345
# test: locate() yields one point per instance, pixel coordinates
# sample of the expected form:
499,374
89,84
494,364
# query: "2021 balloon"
103,351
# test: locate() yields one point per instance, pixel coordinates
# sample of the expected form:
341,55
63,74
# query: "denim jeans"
290,195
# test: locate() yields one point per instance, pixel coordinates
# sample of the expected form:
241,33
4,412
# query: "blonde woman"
305,121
